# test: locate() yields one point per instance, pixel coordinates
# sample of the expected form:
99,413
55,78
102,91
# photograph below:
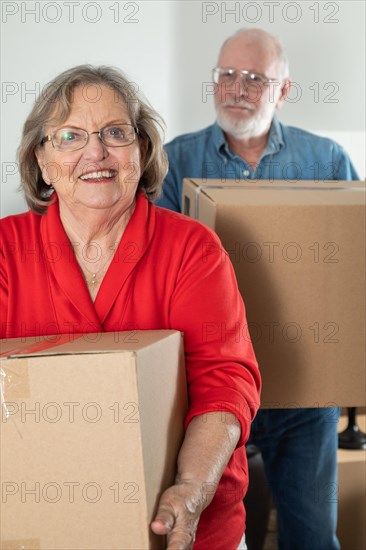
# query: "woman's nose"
95,148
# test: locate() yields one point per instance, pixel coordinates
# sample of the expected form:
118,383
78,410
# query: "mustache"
238,103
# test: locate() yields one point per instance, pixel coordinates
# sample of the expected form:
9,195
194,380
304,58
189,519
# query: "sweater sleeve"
3,294
206,305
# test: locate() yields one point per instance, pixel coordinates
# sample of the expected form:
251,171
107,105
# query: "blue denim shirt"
291,154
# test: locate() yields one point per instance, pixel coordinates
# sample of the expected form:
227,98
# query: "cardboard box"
89,438
351,529
299,256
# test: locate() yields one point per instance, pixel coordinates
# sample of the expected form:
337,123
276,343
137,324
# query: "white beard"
255,126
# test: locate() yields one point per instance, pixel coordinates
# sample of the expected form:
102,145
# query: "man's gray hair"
260,34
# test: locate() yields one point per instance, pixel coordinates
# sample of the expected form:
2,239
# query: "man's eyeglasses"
72,139
227,75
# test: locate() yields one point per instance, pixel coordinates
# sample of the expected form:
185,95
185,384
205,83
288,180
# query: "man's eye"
255,78
228,75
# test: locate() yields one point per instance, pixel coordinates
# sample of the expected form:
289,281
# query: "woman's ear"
143,151
40,156
39,152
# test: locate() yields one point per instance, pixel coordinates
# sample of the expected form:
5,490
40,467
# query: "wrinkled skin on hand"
208,445
178,514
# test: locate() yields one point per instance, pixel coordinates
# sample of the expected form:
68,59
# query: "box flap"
275,192
205,184
66,344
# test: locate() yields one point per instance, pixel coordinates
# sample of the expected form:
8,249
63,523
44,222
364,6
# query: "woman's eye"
116,133
69,136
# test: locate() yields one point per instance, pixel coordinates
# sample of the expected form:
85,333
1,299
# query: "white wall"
169,47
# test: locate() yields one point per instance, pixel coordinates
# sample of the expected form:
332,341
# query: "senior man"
248,142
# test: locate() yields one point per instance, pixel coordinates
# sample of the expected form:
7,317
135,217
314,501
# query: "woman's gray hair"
54,103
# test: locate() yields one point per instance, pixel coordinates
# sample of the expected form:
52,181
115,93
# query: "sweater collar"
65,268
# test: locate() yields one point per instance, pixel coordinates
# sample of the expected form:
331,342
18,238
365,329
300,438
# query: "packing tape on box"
14,383
21,544
14,379
266,188
14,373
36,348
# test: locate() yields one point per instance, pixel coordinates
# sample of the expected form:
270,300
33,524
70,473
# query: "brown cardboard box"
89,438
351,529
299,256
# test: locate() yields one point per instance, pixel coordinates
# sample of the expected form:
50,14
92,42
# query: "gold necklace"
94,281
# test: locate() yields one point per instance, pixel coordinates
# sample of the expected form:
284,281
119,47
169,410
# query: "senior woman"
94,254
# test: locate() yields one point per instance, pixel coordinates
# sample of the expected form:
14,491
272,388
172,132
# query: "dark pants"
299,451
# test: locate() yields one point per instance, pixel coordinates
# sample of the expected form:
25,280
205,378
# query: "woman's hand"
178,514
208,445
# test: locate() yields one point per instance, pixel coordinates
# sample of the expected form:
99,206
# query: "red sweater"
168,272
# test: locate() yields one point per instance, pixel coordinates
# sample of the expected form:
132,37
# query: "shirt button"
246,173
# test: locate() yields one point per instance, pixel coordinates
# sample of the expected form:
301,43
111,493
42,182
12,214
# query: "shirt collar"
275,139
219,140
